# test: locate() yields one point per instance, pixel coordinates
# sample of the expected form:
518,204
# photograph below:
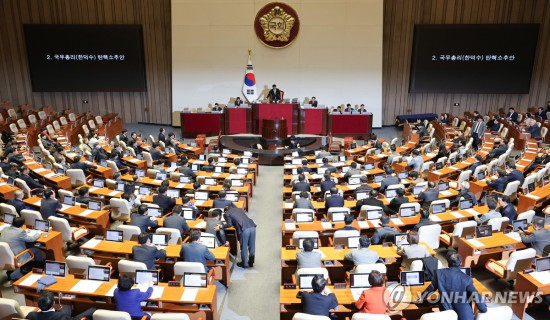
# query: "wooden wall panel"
154,105
400,16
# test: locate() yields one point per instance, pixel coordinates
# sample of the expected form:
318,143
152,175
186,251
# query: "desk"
533,199
59,182
491,248
200,123
135,163
313,121
170,300
358,126
52,245
287,111
527,288
237,120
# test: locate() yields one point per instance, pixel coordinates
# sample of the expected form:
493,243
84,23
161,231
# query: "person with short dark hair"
165,202
464,194
128,299
372,301
453,283
49,205
177,221
492,214
362,255
416,161
389,180
301,184
47,311
35,187
348,221
329,168
185,169
429,195
539,238
222,201
394,153
319,302
155,153
307,258
363,187
214,226
398,200
424,219
413,251
83,195
187,204
334,200
327,183
372,200
246,233
515,174
209,167
478,131
385,233
142,220
303,202
195,251
313,102
80,164
506,208
305,168
499,184
17,238
478,162
353,171
542,114
274,95
162,136
512,115
146,252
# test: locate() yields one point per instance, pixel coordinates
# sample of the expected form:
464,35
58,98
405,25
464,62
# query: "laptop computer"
140,173
304,282
438,208
218,169
481,175
359,281
245,161
11,181
467,271
412,278
353,242
542,264
338,216
99,273
202,157
233,197
114,235
42,225
319,161
55,268
99,183
321,170
242,171
303,217
531,187
159,239
120,186
438,165
400,239
443,186
209,242
226,151
195,280
301,242
345,169
417,190
519,225
484,231
247,153
187,214
360,195
378,178
237,183
68,200
144,190
8,218
222,160
297,161
354,180
391,193
403,175
145,276
160,176
405,212
374,214
173,193
103,162
466,204
195,167
61,171
547,220
201,195
153,212
342,158
369,166
185,179
95,205
210,181
139,156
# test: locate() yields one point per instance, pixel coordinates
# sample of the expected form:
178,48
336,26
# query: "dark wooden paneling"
154,105
400,16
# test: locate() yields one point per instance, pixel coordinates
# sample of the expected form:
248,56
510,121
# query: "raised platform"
271,153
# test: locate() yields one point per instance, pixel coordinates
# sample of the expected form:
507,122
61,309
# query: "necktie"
477,128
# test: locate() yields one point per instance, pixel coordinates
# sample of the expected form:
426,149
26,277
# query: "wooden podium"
274,129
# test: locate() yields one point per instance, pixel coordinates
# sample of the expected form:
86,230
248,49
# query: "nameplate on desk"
387,244
79,276
37,270
290,247
98,237
174,284
340,285
289,286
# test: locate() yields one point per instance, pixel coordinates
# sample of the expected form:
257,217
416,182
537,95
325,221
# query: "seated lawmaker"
165,202
17,201
492,214
83,195
301,185
177,221
48,312
128,299
195,251
533,129
424,219
539,238
334,200
515,174
327,183
389,180
499,184
500,148
36,187
147,252
507,208
428,195
465,194
142,220
372,300
396,202
222,201
413,251
372,200
385,233
362,255
348,221
542,114
303,202
416,161
307,258
319,302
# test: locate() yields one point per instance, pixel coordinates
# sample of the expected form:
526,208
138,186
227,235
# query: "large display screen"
72,57
473,58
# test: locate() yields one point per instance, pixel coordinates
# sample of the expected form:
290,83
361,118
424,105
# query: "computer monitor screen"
153,212
210,181
8,218
185,179
247,153
209,242
369,166
391,193
195,167
140,173
113,235
531,187
353,242
159,239
417,190
94,205
359,280
99,183
412,278
99,273
466,204
338,216
195,280
374,214
233,197
378,178
542,264
173,193
11,181
321,170
467,271
481,175
354,180
226,151
403,175
69,200
305,281
218,169
188,214
345,169
519,225
144,190
438,208
103,163
222,160
201,195
237,183
120,186
315,242
484,231
42,225
145,276
406,212
342,158
319,161
296,161
245,161
55,268
304,217
61,171
438,165
202,157
361,195
400,239
160,176
443,186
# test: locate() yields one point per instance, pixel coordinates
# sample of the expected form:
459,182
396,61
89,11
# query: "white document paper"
111,291
86,286
437,172
30,280
64,207
357,292
454,168
290,226
39,170
157,181
85,212
289,205
38,203
397,221
180,186
200,225
475,243
157,292
457,214
532,196
199,202
376,223
134,160
542,277
50,175
326,225
446,193
113,193
92,189
435,218
91,244
353,186
472,212
514,235
363,224
189,294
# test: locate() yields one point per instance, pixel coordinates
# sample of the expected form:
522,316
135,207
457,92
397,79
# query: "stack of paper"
91,244
85,212
200,225
326,225
86,286
189,294
475,243
435,218
514,235
290,226
30,280
446,193
472,212
113,193
363,224
397,221
289,205
457,214
543,277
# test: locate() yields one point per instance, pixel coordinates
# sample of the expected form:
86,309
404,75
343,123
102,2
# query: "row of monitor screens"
103,273
145,190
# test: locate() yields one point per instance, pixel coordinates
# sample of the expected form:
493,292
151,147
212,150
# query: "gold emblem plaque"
276,25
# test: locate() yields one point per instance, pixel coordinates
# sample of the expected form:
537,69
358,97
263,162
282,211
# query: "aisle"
254,293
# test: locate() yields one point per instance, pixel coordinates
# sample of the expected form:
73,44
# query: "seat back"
6,258
181,267
305,234
111,315
8,208
42,115
147,157
511,188
30,216
174,235
62,193
61,225
322,271
368,267
430,235
63,121
120,209
170,316
10,307
479,169
498,224
340,237
305,316
447,315
111,164
500,312
24,187
464,176
128,231
14,128
21,123
528,180
32,119
520,260
447,203
459,229
369,316
77,176
79,263
415,205
127,266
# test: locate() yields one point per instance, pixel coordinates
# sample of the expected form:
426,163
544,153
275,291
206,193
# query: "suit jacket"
513,116
222,203
352,172
83,199
194,252
316,303
49,207
52,315
211,223
274,94
186,171
313,103
416,163
538,239
381,234
474,166
142,221
148,255
534,130
498,151
155,154
396,202
98,155
16,238
388,181
428,196
238,218
309,259
130,300
362,256
498,184
494,127
301,186
479,130
30,182
413,252
377,145
542,115
509,211
334,201
123,138
487,216
391,156
449,282
363,187
303,204
329,167
516,175
82,166
467,195
177,222
162,137
372,301
371,202
17,204
164,202
326,185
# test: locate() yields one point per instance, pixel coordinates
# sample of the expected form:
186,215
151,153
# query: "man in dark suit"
78,164
464,193
176,221
424,220
349,108
98,153
533,129
329,168
372,200
31,183
163,201
216,107
354,170
327,183
147,252
238,101
188,205
362,109
17,201
208,167
142,220
499,184
320,302
301,185
305,168
363,187
389,180
185,170
246,233
115,157
303,202
542,114
162,136
428,195
477,163
274,94
335,200
47,311
452,283
222,201
384,233
500,150
375,143
194,251
4,163
512,115
123,136
495,126
348,221
539,238
49,205
515,174
506,208
84,195
155,153
478,131
396,202
313,102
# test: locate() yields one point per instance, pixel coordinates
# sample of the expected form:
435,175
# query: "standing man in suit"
374,142
313,102
30,181
506,208
48,312
335,200
389,180
499,184
162,135
246,233
362,255
539,238
306,257
17,201
478,131
142,220
49,205
222,202
542,114
428,195
146,252
163,201
238,101
396,202
274,94
176,221
194,251
452,284
303,202
301,185
512,115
